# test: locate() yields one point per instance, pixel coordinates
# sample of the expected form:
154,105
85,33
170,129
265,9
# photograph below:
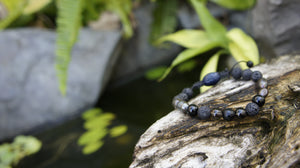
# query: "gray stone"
29,97
276,27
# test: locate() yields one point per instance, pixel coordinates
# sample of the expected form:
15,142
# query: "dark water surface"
137,104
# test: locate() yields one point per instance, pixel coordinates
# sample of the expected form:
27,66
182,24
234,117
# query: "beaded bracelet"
204,112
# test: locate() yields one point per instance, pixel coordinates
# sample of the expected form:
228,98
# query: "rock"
270,139
30,98
138,55
276,27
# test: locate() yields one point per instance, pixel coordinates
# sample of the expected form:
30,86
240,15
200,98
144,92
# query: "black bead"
211,78
197,85
246,74
259,100
250,64
236,73
192,110
203,112
241,113
256,76
228,114
182,96
188,91
252,109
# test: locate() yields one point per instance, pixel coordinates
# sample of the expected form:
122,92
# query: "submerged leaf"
187,38
235,4
101,121
210,66
164,19
118,130
92,147
92,136
188,54
30,144
242,47
68,25
91,113
155,73
215,30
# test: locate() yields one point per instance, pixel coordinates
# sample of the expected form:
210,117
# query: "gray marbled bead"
179,104
216,113
184,107
262,83
175,102
263,92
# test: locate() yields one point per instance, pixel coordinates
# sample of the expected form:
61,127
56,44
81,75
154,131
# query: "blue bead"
211,78
252,109
203,112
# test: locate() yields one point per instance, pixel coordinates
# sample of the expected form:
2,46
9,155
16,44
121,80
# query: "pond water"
137,104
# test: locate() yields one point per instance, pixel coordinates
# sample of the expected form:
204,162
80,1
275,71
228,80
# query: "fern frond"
14,9
68,25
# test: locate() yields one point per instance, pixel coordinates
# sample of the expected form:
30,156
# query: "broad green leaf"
187,38
188,54
235,4
14,9
210,66
215,30
89,114
92,136
242,47
92,147
35,5
68,25
118,130
101,121
164,19
155,73
186,66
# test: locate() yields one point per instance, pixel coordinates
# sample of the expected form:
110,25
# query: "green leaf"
14,9
68,25
92,147
187,66
210,66
155,73
30,145
164,19
35,5
100,121
187,38
188,54
215,30
92,136
235,4
123,9
118,130
242,47
91,113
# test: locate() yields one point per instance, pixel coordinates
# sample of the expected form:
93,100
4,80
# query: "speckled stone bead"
192,110
249,64
263,92
252,109
259,100
256,76
246,74
216,113
262,83
241,113
228,114
211,78
197,85
182,96
236,73
203,112
188,92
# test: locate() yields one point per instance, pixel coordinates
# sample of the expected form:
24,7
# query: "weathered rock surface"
270,139
29,95
276,26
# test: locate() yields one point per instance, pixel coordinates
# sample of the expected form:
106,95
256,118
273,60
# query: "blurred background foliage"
22,146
